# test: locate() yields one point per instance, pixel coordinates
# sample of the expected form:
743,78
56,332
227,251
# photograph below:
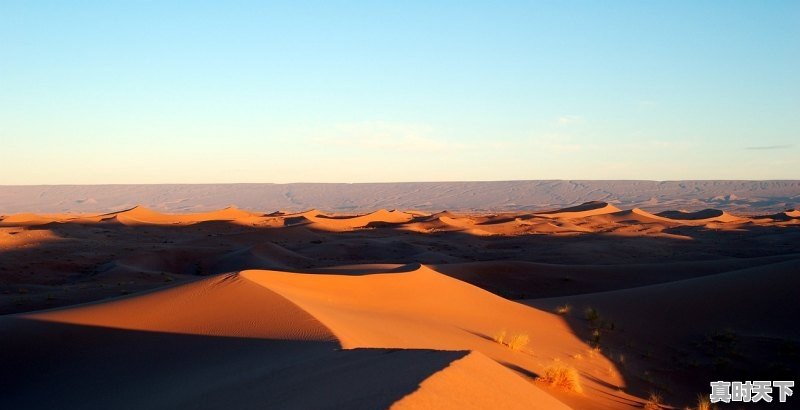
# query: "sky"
254,91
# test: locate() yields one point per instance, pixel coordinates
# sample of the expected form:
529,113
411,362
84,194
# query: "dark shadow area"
520,370
674,338
46,365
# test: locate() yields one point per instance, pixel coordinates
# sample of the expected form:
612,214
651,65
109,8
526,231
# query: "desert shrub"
595,340
517,342
563,309
514,341
561,376
653,402
500,337
703,403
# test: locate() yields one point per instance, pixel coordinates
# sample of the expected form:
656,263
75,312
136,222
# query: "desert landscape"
349,205
586,307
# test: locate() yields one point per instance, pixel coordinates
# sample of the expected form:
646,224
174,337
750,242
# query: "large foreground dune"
393,309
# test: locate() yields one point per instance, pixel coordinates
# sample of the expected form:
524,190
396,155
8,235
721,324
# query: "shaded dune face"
704,215
58,365
724,324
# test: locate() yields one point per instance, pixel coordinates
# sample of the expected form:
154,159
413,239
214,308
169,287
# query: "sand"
391,309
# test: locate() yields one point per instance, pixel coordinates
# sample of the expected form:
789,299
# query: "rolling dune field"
590,306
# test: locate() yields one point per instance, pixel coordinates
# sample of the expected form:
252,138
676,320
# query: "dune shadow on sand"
46,365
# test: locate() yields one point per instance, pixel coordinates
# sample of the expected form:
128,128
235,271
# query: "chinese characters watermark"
750,391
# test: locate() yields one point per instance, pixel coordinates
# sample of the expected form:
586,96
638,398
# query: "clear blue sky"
247,91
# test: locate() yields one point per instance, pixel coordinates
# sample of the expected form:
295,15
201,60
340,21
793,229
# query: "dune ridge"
478,224
592,208
705,215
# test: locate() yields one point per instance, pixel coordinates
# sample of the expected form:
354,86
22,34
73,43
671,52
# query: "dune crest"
583,210
143,215
225,305
705,215
477,382
344,223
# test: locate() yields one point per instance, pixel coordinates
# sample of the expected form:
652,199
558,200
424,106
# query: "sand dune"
422,309
706,215
525,280
142,215
14,237
339,223
226,305
759,290
265,255
24,219
464,384
100,368
722,324
790,215
243,309
637,215
581,211
445,220
370,311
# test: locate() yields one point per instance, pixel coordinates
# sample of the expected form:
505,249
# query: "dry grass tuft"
703,403
517,342
500,337
563,309
562,377
654,402
514,341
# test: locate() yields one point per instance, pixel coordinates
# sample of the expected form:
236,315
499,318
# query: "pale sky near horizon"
250,91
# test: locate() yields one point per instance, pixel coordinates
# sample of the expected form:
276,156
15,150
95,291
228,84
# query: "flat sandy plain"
393,309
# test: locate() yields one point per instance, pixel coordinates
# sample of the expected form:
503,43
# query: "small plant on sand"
563,309
653,402
514,341
562,377
703,403
517,342
500,337
595,340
